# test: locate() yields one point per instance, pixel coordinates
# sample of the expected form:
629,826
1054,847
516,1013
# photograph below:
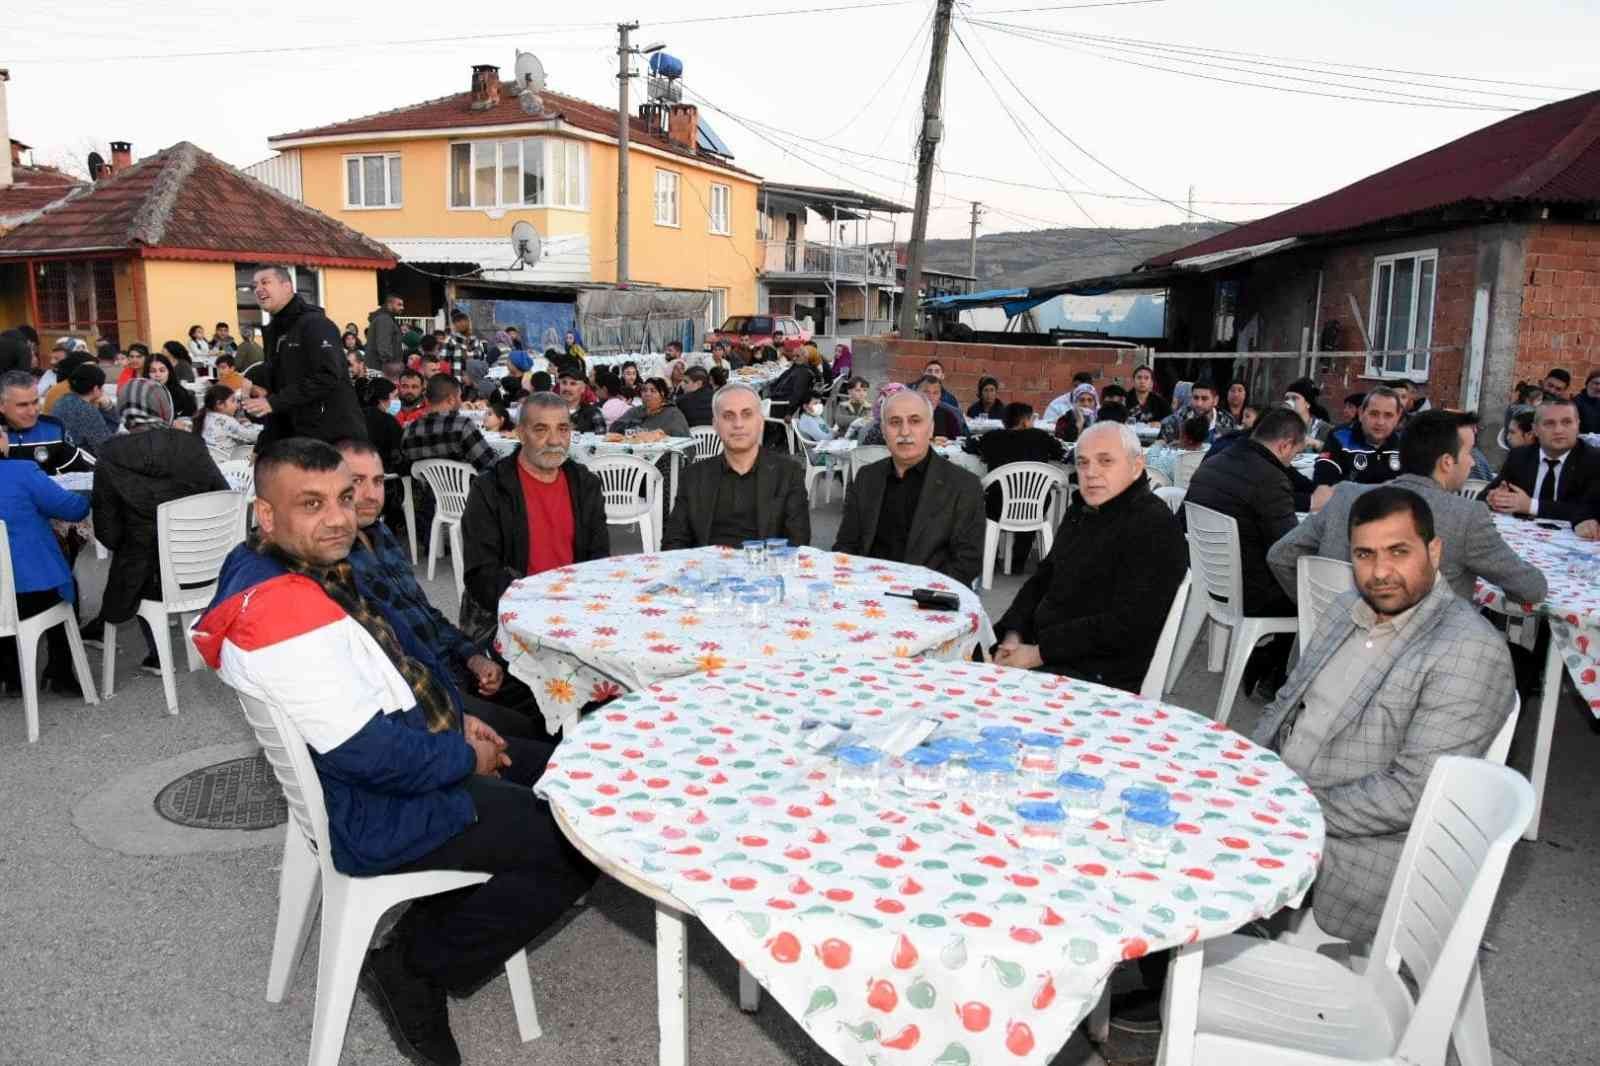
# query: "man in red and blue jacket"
409,781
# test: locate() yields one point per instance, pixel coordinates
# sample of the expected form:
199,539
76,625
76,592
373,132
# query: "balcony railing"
802,257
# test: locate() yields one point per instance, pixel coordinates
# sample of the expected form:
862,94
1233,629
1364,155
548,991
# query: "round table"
909,928
594,630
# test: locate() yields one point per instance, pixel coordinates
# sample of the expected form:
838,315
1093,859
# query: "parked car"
753,331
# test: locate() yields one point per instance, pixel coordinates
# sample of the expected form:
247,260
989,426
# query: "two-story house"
443,182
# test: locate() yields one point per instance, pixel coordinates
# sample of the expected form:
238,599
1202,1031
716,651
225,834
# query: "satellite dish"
96,164
526,245
529,72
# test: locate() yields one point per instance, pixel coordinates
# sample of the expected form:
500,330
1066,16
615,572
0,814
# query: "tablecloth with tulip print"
907,929
594,630
1573,603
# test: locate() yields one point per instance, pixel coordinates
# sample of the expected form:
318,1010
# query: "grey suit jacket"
1473,547
1444,686
947,530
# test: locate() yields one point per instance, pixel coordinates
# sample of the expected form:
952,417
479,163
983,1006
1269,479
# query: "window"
1400,325
666,198
721,209
526,172
718,311
371,181
1226,308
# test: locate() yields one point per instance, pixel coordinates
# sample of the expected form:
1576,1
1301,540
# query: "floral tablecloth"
1573,603
593,631
909,929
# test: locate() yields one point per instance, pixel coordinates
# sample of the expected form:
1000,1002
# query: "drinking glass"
1082,795
992,780
819,595
1042,822
1149,831
856,769
753,606
1041,756
755,553
925,769
1144,796
1009,735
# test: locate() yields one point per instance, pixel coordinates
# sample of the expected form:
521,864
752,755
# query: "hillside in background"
1039,257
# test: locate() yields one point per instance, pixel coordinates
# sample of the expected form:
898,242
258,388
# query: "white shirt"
1543,471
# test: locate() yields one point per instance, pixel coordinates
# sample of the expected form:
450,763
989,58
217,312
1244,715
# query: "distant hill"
1039,257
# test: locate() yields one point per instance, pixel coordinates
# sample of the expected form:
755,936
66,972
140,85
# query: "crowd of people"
420,734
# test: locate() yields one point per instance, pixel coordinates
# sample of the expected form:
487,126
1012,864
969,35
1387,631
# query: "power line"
927,23
779,14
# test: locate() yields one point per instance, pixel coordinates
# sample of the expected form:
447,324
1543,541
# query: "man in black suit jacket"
743,494
916,506
1558,478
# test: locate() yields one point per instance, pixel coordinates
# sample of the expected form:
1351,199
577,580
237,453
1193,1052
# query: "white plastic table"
594,630
909,927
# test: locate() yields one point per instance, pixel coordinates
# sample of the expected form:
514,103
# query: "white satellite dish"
526,244
529,72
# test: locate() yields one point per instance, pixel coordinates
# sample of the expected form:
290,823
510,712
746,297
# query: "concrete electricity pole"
624,74
927,147
972,239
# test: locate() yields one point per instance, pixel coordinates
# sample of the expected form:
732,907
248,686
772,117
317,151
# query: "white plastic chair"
1219,586
409,506
790,434
1025,490
241,477
1185,465
28,631
1155,677
1172,496
194,535
1473,486
707,443
864,455
1240,999
449,482
632,490
1318,582
351,906
815,470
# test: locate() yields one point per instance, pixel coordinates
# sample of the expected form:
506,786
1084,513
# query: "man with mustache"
535,510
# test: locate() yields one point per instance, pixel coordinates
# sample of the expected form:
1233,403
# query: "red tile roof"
1550,155
31,188
186,203
455,113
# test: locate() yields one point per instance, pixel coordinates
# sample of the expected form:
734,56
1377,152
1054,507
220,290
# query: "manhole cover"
237,794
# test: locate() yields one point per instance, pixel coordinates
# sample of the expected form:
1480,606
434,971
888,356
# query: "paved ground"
121,941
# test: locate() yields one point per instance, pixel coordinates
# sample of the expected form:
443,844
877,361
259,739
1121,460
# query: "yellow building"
154,247
443,182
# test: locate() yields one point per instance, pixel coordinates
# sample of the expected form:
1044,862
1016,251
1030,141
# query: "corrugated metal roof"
1550,155
186,202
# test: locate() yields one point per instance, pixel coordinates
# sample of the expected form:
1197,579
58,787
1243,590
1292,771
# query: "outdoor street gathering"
504,559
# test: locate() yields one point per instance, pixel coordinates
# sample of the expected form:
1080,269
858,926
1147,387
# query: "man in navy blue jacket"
410,782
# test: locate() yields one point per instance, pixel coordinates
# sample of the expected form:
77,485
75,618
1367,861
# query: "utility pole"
624,74
972,239
927,147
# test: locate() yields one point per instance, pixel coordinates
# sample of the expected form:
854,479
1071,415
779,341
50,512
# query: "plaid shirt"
447,435
383,574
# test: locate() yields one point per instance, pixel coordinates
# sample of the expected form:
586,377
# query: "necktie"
1547,488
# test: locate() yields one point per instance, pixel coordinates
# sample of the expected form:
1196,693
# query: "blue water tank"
665,66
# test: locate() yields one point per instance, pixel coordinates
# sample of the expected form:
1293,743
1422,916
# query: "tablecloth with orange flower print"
912,928
1572,605
592,631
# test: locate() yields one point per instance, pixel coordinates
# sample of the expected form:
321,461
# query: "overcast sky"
852,80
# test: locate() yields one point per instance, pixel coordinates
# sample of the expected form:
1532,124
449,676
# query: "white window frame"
1418,363
673,216
717,309
392,170
570,149
721,209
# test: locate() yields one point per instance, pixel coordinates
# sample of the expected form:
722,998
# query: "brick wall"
1033,375
1560,323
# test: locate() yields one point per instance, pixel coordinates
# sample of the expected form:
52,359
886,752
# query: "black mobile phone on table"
930,599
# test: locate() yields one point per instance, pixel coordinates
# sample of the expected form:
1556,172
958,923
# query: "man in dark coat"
308,379
1559,477
1250,483
1095,608
383,332
565,497
746,493
916,506
1367,452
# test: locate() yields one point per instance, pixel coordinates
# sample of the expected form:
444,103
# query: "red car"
753,331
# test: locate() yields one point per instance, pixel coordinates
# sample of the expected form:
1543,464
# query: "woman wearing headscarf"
147,464
1080,416
844,361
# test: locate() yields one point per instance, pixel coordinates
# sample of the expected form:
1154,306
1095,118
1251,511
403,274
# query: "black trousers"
58,662
460,939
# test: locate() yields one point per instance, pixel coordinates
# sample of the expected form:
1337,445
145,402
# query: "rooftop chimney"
11,158
485,87
683,125
121,156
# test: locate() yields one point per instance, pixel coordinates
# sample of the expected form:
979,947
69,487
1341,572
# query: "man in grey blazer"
1435,460
1400,672
916,506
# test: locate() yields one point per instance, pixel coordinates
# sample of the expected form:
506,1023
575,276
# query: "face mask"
394,406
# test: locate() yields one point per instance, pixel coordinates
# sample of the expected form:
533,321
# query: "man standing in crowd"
536,510
916,506
1367,452
746,493
695,403
357,362
410,780
1202,404
1250,483
1401,672
383,332
444,432
586,417
1559,477
250,352
308,382
1095,608
462,344
410,389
